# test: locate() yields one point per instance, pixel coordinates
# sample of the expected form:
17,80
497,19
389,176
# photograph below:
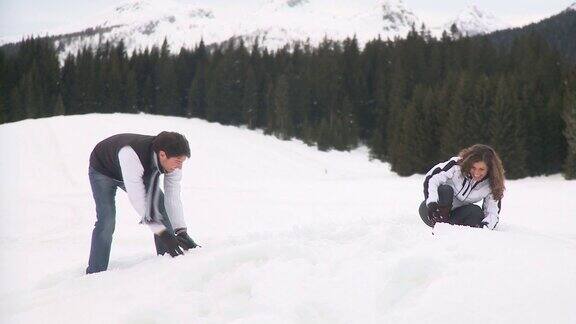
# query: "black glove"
438,213
184,240
434,212
170,242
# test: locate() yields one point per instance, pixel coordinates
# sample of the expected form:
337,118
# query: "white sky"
20,17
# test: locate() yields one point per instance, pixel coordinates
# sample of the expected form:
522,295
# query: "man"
134,163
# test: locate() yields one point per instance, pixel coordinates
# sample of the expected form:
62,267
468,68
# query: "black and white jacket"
466,190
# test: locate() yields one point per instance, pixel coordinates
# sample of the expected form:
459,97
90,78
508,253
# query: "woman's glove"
438,213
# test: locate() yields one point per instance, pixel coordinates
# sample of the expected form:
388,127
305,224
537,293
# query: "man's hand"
184,240
171,243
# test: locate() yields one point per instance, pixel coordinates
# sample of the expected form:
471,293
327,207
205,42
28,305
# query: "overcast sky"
20,17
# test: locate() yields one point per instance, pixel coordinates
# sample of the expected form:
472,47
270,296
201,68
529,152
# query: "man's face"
172,163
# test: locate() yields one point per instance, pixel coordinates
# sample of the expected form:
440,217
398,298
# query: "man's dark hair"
172,143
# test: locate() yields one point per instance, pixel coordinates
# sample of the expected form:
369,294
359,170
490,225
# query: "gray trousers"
104,193
468,215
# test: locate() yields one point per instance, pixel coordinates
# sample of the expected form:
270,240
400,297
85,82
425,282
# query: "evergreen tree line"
413,101
559,31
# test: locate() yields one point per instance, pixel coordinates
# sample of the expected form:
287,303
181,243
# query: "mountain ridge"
274,23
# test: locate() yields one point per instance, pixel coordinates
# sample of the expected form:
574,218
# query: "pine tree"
167,102
100,96
185,69
269,119
429,131
455,32
84,79
149,95
59,109
554,142
251,99
354,88
479,110
3,112
32,96
115,86
409,155
507,134
570,131
68,85
49,70
378,85
309,133
15,103
3,89
151,86
226,86
399,96
346,133
282,111
197,94
299,84
130,102
454,131
324,136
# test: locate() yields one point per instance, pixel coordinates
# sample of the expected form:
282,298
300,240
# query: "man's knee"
105,226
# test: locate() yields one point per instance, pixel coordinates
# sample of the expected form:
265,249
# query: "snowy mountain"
145,23
275,23
290,234
473,21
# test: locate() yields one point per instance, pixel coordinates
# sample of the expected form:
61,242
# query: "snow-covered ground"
289,235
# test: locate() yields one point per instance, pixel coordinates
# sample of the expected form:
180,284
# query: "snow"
473,21
275,23
290,235
145,23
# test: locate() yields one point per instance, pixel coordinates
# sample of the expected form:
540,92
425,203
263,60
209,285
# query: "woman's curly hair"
486,154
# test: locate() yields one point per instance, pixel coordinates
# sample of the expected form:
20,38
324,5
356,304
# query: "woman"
451,188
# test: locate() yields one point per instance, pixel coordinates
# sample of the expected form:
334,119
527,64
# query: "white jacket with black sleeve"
466,190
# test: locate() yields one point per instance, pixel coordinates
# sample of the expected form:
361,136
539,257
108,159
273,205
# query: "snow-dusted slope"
473,21
275,23
289,235
143,23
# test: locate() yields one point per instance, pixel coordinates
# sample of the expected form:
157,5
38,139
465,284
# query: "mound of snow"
289,235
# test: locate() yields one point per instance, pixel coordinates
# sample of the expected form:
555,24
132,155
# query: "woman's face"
478,170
